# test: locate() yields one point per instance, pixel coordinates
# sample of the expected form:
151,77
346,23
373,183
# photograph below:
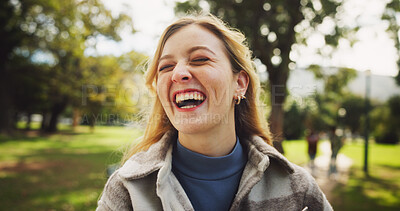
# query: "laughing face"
196,85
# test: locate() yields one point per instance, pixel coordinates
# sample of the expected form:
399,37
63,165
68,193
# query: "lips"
189,98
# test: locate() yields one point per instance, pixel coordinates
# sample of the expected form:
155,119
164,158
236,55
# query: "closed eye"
199,61
165,67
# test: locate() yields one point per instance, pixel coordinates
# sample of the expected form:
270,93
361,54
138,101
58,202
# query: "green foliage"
44,57
355,111
394,105
385,121
335,79
187,6
334,97
294,116
391,16
108,98
321,111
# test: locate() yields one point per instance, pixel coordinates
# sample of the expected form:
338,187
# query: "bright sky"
150,17
374,50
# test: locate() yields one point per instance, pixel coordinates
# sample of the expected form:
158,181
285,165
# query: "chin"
188,127
189,131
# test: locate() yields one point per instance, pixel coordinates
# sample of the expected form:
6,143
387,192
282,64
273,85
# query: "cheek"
221,89
162,87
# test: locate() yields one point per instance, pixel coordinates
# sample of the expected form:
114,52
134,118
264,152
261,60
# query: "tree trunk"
277,80
45,121
278,95
276,127
76,118
56,110
6,107
52,127
92,122
28,122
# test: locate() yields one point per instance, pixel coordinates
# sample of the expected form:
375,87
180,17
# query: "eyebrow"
191,50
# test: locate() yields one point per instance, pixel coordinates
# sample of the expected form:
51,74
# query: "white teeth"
188,95
188,106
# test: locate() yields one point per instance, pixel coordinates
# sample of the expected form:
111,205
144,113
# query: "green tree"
10,37
272,28
390,132
56,33
31,87
391,16
355,110
385,121
293,122
335,79
110,97
324,115
333,97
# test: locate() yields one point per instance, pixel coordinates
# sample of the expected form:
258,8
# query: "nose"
181,74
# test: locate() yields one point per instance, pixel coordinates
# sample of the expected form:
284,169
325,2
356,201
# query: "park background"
73,96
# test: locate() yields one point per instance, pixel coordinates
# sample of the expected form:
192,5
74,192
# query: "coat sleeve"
115,196
314,198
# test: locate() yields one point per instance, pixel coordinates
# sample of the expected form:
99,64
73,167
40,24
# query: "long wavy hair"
249,116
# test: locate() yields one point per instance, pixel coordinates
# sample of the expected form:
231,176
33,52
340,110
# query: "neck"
212,143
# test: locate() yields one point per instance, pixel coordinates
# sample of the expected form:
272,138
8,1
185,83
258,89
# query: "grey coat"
269,182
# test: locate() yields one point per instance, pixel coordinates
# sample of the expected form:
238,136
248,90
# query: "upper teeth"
189,96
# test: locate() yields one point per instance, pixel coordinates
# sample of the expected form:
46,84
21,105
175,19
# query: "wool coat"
269,182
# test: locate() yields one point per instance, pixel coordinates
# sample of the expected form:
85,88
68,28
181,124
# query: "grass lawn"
64,171
296,151
379,191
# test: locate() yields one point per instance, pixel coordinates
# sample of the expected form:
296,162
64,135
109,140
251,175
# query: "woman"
206,145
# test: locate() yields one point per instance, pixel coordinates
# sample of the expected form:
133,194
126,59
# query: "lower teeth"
188,106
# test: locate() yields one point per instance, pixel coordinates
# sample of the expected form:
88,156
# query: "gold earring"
239,98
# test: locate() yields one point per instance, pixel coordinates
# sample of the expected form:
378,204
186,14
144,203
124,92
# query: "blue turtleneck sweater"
210,182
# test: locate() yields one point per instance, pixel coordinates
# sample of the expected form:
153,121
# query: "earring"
239,98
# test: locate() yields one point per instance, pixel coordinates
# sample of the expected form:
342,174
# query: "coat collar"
147,162
261,153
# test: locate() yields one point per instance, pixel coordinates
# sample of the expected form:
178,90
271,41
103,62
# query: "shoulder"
115,195
136,177
146,162
283,181
303,185
303,181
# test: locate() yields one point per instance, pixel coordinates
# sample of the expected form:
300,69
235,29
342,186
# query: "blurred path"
321,170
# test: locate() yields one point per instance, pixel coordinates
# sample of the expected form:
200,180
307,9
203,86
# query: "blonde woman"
206,144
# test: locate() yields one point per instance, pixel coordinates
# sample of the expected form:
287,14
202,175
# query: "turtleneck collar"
202,167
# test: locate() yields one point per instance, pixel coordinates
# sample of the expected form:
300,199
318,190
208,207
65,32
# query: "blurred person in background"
207,145
312,141
336,144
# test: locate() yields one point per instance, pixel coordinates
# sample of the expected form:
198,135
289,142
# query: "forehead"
192,35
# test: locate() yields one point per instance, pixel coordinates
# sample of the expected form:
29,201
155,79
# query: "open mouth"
189,99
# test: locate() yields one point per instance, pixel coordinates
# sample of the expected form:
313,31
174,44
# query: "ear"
242,82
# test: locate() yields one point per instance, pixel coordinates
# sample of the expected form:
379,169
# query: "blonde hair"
249,117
